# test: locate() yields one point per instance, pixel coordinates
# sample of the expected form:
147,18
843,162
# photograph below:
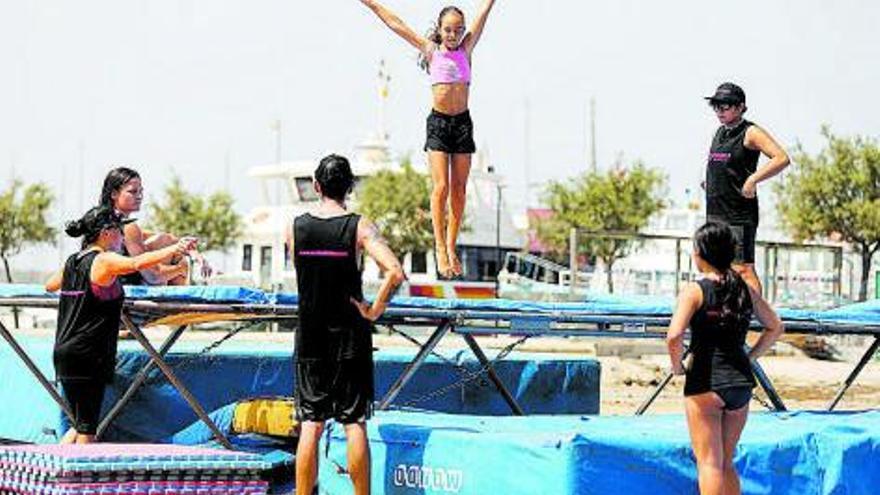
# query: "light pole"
498,187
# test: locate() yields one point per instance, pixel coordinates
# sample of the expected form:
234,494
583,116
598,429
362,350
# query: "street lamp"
498,187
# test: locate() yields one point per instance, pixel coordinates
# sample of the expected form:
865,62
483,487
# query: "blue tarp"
780,453
29,414
240,370
867,313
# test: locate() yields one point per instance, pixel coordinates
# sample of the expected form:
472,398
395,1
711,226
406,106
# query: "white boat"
287,191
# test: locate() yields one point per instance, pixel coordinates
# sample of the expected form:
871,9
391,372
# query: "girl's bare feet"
454,263
442,257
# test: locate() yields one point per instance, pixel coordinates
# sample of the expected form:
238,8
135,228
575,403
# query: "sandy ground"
632,369
802,383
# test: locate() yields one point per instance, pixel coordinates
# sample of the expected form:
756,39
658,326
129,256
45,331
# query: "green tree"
619,200
400,204
212,218
835,193
23,220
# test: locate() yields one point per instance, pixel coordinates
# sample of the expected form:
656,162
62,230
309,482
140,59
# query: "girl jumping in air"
445,53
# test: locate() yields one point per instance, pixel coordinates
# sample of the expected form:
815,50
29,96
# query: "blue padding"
780,453
855,314
30,414
23,290
284,298
541,384
865,312
198,293
198,432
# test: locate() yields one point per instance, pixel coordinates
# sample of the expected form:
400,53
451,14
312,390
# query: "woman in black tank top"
89,310
733,174
718,383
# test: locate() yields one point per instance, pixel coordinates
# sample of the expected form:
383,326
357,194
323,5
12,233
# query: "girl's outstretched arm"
398,26
109,265
479,23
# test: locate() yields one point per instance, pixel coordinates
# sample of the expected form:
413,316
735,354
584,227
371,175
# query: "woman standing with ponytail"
89,312
445,53
718,381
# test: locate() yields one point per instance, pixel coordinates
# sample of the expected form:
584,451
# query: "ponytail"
736,303
715,242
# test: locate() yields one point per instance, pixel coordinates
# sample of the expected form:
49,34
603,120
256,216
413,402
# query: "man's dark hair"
335,177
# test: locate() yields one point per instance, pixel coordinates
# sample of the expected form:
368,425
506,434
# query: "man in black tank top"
732,173
333,355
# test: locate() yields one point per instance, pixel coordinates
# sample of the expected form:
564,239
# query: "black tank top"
88,323
719,357
730,164
327,277
132,278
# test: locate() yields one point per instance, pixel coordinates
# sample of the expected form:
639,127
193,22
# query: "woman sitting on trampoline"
123,191
89,313
718,379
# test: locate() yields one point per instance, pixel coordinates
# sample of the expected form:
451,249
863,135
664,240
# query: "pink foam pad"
123,449
143,488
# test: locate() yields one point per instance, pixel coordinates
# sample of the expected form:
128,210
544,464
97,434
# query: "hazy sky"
193,86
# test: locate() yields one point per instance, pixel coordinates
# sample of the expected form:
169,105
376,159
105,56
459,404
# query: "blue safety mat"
23,290
198,293
780,454
541,385
30,414
867,313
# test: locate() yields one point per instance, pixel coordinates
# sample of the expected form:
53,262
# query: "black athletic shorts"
341,390
85,398
745,240
734,397
450,133
745,243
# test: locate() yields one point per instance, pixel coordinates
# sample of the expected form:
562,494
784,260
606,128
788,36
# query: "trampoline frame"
467,323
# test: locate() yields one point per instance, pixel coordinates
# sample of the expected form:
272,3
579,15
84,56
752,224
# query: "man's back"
328,278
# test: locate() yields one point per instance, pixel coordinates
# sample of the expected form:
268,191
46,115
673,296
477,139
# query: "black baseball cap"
728,93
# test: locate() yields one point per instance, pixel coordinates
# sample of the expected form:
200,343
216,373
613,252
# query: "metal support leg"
656,393
484,361
38,374
869,354
767,385
415,364
138,382
169,373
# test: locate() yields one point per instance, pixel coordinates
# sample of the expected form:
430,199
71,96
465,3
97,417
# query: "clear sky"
193,86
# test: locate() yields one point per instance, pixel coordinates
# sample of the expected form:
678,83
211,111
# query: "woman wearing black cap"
732,173
89,310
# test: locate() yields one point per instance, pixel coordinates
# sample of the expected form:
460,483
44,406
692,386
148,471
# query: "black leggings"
85,398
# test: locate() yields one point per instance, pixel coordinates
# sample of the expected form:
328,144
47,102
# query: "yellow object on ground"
273,416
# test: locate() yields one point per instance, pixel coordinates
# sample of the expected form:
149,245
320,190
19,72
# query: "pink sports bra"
449,66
